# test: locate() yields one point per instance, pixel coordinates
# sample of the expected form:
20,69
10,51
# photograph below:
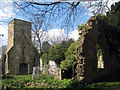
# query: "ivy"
45,58
70,61
81,27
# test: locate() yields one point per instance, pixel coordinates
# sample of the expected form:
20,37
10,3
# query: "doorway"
23,69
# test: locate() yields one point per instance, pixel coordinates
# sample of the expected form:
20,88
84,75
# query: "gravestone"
36,70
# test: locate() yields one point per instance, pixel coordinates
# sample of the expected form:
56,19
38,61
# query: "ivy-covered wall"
100,43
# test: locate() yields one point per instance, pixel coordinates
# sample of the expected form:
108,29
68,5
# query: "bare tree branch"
52,3
60,13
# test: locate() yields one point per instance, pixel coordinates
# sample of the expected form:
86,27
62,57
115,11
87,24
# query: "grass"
47,81
25,81
13,81
105,85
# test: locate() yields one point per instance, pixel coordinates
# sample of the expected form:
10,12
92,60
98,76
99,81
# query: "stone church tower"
19,56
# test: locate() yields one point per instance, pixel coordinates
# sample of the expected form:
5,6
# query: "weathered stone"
36,70
89,67
19,56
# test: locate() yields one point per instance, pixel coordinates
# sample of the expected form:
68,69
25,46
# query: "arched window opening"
99,57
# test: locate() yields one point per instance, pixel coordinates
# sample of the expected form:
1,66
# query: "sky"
9,12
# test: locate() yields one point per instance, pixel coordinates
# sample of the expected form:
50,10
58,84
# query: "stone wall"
87,63
96,34
20,56
51,68
55,70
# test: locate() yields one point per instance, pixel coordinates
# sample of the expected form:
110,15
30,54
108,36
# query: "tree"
46,46
61,13
64,15
67,43
56,53
38,32
114,15
70,61
56,36
36,55
45,58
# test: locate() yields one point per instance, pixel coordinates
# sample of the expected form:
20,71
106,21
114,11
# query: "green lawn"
42,81
47,81
105,85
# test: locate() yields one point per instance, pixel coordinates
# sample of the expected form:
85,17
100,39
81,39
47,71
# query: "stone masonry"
19,56
96,34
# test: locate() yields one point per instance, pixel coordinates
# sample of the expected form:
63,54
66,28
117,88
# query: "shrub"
70,61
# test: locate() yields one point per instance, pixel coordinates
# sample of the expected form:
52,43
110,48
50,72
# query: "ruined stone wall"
96,33
87,63
20,56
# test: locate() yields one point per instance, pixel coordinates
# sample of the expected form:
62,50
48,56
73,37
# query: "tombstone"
41,65
52,67
55,70
36,70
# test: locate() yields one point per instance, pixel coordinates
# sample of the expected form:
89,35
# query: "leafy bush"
114,15
70,57
70,61
56,54
45,58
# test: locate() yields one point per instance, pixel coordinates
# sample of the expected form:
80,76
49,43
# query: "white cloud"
6,9
42,34
54,36
4,31
74,34
56,33
62,35
110,2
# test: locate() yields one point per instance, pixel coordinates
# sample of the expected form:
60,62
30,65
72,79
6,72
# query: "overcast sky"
8,12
